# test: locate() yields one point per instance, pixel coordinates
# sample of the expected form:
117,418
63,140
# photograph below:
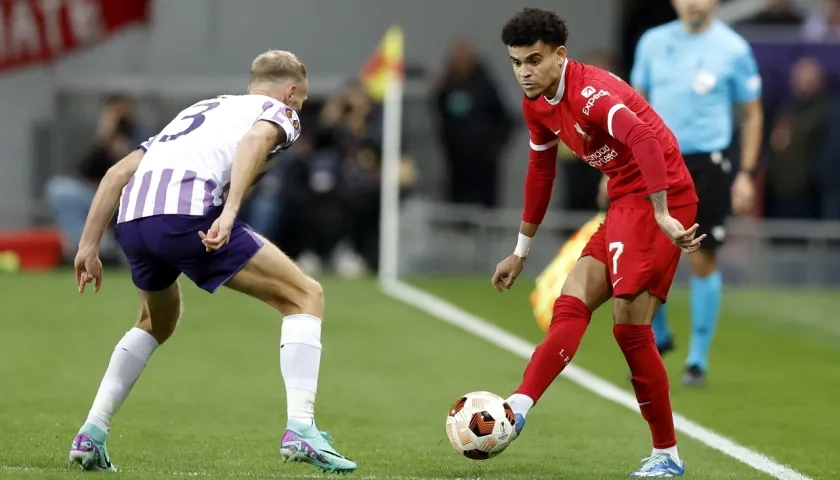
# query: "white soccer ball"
480,425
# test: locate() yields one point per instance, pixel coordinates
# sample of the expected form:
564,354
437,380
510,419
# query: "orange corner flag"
550,281
386,60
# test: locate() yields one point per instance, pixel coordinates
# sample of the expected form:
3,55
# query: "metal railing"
440,238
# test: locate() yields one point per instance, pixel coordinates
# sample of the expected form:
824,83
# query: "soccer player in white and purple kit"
178,196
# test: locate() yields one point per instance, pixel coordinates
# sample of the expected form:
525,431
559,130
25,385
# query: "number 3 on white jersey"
618,248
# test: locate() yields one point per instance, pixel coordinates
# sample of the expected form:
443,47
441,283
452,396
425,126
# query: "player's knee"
622,312
162,326
160,315
636,309
587,282
311,300
573,289
305,295
703,262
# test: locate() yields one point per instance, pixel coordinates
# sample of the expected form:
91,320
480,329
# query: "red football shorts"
638,255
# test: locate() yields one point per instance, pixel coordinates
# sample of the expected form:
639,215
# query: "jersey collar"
562,87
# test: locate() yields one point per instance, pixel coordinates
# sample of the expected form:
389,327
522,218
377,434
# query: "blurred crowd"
321,203
69,196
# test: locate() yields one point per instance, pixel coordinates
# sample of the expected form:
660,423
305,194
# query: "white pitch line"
485,330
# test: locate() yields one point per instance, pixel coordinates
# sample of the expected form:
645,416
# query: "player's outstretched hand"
506,272
219,233
679,235
88,269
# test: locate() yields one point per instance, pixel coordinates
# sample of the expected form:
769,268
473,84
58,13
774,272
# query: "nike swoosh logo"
616,282
334,454
557,132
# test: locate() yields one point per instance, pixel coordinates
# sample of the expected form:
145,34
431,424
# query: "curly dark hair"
532,25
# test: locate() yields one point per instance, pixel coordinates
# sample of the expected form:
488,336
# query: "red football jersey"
581,116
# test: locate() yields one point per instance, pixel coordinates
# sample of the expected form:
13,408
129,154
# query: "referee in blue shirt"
694,71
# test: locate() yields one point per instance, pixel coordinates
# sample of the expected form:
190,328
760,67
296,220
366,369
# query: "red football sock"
568,324
650,381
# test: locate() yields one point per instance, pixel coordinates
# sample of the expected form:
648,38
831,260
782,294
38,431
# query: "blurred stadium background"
83,81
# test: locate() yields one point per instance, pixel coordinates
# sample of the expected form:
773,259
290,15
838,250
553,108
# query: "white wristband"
523,245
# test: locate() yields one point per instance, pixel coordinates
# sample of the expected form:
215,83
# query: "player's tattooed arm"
660,202
682,237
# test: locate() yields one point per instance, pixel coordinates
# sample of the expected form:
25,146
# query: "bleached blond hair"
277,66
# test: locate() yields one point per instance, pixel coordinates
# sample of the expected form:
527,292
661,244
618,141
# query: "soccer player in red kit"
634,254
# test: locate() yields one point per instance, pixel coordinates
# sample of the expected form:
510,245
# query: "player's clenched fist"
678,234
506,272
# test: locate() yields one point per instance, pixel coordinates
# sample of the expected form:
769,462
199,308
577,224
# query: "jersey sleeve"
540,137
283,116
746,78
599,103
146,144
640,73
542,167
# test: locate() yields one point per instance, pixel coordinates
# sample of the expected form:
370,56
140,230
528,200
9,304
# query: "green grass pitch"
211,401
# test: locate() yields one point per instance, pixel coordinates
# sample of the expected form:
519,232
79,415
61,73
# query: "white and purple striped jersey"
186,167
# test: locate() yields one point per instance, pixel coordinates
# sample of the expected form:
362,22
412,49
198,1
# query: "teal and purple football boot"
89,451
305,443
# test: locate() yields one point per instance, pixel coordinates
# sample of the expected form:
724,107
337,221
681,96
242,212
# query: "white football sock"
520,403
300,361
672,451
127,363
